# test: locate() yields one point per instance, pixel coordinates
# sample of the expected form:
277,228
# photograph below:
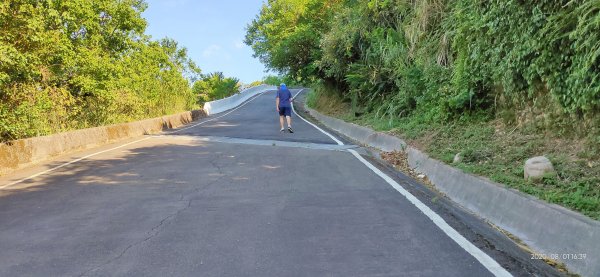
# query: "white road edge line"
317,127
71,162
485,260
481,256
233,110
121,146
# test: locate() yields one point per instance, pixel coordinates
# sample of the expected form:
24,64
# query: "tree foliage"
286,34
75,64
215,86
277,80
444,58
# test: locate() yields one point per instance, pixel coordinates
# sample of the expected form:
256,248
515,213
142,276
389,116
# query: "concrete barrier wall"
20,153
235,100
548,229
24,152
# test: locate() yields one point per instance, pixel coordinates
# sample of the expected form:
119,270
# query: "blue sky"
212,31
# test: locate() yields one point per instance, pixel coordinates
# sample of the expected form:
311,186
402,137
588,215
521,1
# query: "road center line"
485,260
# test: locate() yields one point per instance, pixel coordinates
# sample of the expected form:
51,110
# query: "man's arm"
277,103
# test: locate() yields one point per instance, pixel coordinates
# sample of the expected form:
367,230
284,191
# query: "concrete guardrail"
235,100
24,152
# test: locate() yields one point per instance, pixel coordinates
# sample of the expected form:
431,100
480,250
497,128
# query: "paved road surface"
230,197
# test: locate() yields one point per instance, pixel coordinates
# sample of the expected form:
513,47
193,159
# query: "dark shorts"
285,111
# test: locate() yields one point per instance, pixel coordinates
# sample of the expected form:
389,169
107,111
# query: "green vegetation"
498,81
74,64
215,86
277,80
286,35
254,84
491,148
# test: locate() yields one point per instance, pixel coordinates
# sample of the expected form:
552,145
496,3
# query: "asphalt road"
230,197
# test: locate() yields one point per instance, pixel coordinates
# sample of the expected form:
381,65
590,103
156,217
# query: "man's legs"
281,122
289,122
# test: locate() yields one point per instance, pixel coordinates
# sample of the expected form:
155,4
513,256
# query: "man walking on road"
283,103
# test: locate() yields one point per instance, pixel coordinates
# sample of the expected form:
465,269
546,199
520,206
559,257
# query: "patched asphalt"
224,198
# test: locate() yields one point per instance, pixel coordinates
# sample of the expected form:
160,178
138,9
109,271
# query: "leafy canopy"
73,64
286,34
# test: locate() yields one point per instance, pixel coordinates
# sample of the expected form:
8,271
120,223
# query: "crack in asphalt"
156,229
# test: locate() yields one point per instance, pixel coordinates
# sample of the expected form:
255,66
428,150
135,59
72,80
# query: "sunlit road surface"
232,196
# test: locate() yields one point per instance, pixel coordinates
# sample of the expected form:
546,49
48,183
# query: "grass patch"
494,150
327,101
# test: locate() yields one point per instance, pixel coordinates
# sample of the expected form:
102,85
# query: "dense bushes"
215,86
498,81
530,52
74,64
286,35
522,60
277,80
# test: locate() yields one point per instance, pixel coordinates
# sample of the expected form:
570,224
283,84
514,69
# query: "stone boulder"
457,158
538,167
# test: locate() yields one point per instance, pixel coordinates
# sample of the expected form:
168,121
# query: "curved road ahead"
227,196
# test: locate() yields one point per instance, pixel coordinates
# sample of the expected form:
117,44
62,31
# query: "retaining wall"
24,152
20,153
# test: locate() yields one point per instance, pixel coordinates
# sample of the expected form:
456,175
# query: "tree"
75,64
286,34
215,86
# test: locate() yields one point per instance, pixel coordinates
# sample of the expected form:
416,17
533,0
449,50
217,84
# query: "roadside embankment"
24,152
551,230
20,153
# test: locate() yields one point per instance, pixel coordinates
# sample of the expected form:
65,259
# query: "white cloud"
211,51
174,3
238,44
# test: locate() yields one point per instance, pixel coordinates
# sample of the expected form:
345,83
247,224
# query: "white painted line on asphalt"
485,260
71,162
233,110
317,127
121,146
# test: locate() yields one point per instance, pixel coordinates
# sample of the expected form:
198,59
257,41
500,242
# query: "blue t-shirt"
284,97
